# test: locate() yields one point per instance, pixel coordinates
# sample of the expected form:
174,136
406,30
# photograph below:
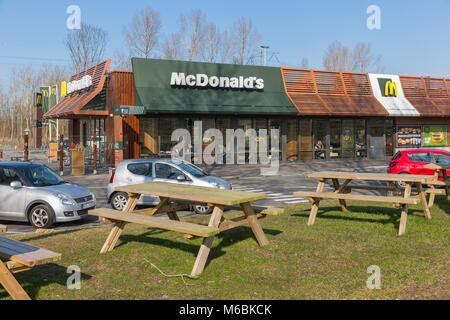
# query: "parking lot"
279,188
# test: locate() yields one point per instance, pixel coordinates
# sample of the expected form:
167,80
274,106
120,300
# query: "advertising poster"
409,136
435,136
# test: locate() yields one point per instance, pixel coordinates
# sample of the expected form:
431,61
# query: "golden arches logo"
44,92
390,89
39,99
63,89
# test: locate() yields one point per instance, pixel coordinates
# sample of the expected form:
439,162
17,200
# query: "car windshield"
40,176
191,169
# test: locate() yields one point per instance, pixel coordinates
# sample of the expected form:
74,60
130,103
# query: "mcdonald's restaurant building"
321,115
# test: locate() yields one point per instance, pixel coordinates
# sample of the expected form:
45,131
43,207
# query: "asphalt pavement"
279,187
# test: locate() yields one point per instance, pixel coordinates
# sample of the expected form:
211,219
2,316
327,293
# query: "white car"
159,170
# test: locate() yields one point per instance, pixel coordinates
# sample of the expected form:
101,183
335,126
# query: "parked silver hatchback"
159,170
34,193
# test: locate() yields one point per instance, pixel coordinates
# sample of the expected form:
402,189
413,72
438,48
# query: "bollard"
61,155
95,152
25,149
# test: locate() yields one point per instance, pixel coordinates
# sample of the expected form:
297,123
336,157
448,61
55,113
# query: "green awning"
152,80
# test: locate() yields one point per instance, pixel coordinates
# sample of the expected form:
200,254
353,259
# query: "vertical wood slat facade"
316,92
122,130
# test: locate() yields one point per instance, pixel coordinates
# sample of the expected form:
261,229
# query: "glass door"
377,145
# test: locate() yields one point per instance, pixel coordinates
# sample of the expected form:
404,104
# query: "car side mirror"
16,184
181,178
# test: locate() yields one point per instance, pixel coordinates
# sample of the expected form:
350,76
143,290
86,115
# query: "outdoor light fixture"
27,131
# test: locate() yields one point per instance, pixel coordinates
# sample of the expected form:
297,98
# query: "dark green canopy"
152,80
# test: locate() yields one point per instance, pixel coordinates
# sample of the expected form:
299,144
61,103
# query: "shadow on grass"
442,203
228,238
392,213
40,276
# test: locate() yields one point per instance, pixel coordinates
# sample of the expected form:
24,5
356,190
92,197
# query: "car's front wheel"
202,209
119,200
41,216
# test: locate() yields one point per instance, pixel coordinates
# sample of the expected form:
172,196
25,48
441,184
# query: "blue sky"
413,40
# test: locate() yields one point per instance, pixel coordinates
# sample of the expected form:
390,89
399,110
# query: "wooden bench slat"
439,183
358,197
173,225
26,254
258,209
376,188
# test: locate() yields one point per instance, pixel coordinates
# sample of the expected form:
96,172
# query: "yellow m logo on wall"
391,89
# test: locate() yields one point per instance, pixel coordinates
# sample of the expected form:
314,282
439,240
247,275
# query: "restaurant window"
348,139
292,140
148,136
320,138
360,138
389,136
275,124
166,127
306,139
335,139
244,124
223,125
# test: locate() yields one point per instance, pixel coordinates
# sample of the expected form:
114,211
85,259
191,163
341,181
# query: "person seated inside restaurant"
321,153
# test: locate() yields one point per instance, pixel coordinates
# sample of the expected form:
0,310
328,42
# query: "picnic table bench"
342,192
175,197
21,257
436,183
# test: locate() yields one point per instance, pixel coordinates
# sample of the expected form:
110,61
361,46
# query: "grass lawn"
326,261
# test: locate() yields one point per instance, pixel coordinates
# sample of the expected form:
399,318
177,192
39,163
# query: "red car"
412,161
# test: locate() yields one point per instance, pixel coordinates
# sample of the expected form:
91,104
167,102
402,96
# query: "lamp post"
25,143
264,48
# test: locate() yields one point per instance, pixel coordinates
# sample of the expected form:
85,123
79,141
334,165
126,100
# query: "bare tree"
143,32
86,46
338,58
171,47
245,39
364,60
216,45
360,59
122,61
192,32
304,64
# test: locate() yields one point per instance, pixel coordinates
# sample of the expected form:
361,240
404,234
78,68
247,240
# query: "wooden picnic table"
342,192
175,197
21,257
440,168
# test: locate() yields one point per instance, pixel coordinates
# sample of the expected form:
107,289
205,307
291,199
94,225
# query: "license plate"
87,205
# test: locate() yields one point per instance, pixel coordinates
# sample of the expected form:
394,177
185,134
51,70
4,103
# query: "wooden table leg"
423,200
114,235
11,285
337,190
315,203
432,196
447,188
404,214
254,224
205,248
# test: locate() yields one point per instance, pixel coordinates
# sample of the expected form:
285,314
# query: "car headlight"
218,185
65,200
